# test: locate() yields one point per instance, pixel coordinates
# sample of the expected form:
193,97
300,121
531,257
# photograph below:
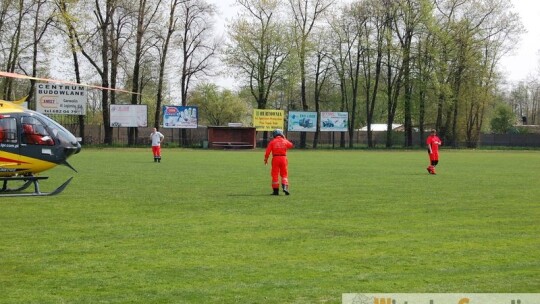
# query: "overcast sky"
523,61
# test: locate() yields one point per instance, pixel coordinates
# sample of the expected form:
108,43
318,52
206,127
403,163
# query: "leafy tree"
503,120
218,107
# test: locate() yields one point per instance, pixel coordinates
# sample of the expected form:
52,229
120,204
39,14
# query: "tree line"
422,63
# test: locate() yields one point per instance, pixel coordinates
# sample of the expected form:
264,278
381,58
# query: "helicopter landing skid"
28,180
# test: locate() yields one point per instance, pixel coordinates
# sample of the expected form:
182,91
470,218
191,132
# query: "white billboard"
61,99
128,115
334,121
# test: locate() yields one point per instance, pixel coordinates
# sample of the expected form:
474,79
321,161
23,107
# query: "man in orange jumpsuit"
278,147
433,142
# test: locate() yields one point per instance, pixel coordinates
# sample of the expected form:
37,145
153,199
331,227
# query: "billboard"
268,120
128,116
180,117
61,99
334,121
302,121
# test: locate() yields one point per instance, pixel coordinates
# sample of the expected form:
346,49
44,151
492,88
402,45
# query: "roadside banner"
128,115
334,121
180,117
61,99
302,121
268,120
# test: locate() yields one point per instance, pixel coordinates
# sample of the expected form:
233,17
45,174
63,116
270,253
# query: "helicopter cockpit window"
35,133
60,133
8,130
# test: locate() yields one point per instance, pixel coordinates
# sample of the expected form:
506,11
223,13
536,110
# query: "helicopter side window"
8,130
35,133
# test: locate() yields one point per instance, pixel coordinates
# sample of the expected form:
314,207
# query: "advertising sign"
302,121
268,120
180,117
128,116
334,121
61,99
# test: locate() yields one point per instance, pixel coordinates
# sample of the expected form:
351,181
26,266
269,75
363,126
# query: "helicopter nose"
76,148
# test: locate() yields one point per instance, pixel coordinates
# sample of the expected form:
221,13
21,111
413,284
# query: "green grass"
201,227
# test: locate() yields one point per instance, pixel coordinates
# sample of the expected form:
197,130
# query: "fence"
510,140
94,134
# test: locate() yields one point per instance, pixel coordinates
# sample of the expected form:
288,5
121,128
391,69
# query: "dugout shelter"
231,137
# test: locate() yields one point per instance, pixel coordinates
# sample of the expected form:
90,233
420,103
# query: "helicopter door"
9,144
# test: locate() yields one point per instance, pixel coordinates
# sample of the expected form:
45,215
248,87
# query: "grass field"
201,227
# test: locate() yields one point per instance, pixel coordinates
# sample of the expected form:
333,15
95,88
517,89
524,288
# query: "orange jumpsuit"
278,147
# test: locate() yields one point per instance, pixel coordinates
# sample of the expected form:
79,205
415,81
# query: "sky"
523,61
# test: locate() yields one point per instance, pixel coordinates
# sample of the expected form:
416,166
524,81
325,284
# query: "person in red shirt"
278,147
433,142
36,138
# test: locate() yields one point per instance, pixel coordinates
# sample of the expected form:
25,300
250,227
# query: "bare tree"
408,21
42,18
146,13
345,40
65,17
163,49
305,15
100,41
13,14
259,50
394,71
197,46
373,34
322,71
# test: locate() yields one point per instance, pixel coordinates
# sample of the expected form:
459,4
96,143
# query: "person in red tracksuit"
433,142
278,147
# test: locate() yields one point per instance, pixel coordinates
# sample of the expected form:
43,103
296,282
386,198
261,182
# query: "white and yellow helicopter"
31,143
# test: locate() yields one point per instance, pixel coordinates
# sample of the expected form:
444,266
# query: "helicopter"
30,143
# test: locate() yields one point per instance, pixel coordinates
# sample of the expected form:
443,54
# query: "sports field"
201,227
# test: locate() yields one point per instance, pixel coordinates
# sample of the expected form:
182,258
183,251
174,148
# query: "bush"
504,120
